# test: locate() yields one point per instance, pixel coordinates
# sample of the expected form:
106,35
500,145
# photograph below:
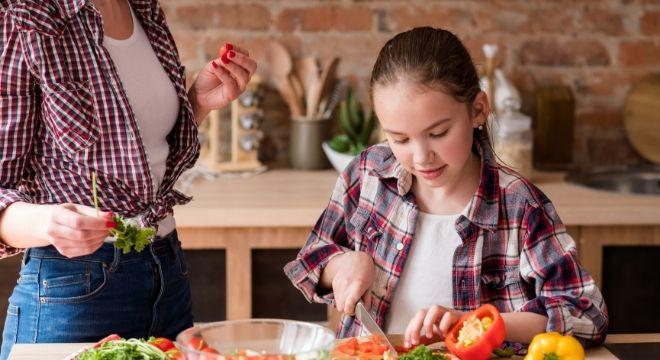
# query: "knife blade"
372,327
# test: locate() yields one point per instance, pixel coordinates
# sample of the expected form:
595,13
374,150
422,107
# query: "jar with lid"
512,138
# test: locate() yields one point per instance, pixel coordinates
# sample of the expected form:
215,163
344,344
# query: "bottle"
513,138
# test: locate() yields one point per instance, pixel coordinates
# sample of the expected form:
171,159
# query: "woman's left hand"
434,322
222,80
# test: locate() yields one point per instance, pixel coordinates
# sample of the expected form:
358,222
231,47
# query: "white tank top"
152,96
427,275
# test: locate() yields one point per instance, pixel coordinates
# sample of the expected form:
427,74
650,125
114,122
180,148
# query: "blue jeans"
87,298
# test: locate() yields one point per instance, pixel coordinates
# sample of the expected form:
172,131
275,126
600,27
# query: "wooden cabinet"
277,209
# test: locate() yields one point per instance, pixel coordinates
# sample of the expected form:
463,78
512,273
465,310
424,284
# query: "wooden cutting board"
642,118
395,340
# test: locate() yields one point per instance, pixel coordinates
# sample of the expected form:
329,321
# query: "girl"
97,86
429,225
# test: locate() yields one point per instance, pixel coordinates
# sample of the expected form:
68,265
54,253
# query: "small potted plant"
356,130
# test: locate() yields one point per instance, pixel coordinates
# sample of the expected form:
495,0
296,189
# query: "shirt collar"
70,8
483,208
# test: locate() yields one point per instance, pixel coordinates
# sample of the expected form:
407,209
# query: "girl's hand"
434,323
353,280
222,80
74,230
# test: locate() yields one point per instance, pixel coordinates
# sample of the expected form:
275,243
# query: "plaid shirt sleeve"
565,292
19,106
328,239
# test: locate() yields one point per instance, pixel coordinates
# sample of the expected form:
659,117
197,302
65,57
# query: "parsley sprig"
128,232
422,353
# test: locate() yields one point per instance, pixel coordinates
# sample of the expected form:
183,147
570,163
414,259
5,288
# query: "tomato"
209,349
162,343
196,343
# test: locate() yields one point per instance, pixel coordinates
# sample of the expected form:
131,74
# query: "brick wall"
599,48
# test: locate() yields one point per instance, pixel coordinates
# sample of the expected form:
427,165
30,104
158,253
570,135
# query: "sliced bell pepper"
554,346
476,334
349,347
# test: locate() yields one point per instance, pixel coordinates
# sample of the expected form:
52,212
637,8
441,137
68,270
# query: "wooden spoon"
323,87
281,65
298,88
308,71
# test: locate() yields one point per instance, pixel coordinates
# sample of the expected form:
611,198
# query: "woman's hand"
221,81
433,322
74,230
353,275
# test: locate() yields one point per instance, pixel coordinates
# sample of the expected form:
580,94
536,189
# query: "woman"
97,87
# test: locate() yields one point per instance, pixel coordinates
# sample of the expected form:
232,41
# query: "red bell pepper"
488,326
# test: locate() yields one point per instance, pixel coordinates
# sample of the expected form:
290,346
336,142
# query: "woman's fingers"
67,215
239,74
245,62
78,236
225,77
74,248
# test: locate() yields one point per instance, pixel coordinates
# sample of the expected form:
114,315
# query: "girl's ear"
480,109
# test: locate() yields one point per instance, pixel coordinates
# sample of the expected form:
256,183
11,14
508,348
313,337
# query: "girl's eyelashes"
400,141
439,135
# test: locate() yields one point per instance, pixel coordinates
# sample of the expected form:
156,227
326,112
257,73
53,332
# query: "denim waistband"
107,253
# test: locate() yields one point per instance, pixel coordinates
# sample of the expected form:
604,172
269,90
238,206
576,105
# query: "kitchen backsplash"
597,47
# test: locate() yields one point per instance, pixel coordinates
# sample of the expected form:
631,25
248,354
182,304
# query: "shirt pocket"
370,239
365,234
70,115
501,287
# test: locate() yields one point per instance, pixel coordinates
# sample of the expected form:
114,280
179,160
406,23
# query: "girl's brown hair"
430,57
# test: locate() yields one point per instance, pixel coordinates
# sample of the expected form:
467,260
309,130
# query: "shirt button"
399,246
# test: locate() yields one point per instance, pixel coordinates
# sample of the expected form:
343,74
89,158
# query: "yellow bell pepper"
554,346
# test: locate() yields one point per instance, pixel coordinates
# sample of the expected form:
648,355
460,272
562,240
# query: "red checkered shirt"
64,113
515,252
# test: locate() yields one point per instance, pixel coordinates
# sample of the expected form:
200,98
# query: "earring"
481,127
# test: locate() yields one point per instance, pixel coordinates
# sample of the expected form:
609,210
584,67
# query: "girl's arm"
565,292
314,269
522,326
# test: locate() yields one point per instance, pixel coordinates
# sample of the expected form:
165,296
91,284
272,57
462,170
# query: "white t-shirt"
152,96
427,274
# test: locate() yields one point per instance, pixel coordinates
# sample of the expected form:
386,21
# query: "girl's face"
429,132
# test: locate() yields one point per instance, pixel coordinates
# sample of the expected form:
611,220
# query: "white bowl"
338,160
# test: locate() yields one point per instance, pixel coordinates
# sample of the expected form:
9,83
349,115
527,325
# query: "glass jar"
512,138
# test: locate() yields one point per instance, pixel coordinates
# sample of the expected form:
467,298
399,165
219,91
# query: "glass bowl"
273,339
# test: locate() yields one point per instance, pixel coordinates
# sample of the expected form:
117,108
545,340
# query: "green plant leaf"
340,143
344,122
367,129
355,112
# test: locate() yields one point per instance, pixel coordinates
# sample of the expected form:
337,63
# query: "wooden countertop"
289,198
61,351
